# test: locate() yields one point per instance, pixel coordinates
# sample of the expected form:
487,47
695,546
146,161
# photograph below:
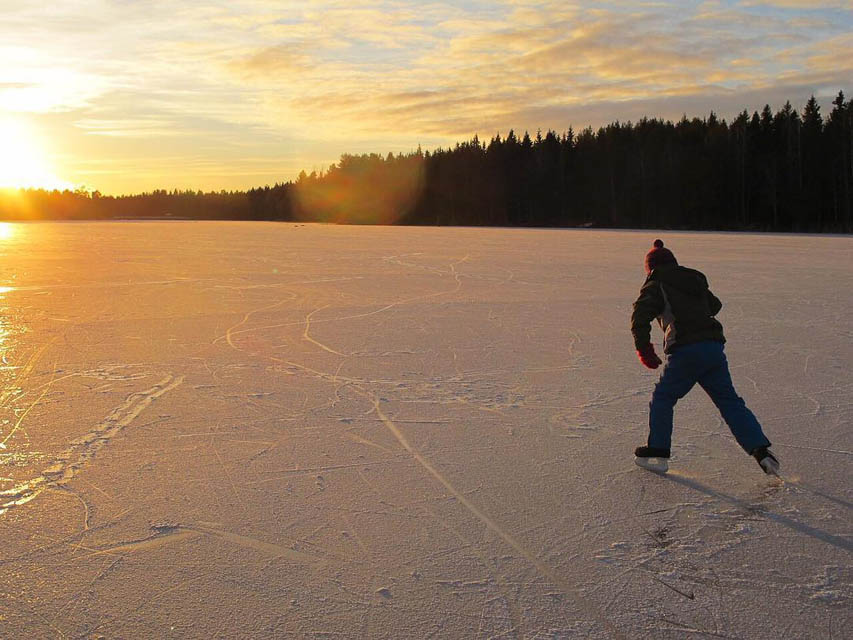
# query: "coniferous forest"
782,171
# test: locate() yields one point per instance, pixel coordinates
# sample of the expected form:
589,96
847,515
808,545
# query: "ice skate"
766,460
652,458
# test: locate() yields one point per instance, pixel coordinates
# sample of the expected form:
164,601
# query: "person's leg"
717,383
675,381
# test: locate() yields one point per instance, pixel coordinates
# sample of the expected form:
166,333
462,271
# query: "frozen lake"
274,430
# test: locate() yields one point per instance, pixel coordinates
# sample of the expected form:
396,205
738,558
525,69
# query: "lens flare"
366,189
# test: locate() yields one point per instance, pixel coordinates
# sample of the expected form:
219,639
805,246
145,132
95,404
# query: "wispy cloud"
264,85
800,4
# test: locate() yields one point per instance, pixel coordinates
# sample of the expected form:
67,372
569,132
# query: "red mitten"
648,356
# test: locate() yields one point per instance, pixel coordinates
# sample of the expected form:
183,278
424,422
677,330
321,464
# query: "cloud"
508,70
265,79
835,57
273,61
811,5
131,128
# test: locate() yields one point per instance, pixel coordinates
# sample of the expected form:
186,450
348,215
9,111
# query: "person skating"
684,306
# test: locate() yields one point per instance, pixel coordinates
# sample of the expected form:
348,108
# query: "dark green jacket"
682,303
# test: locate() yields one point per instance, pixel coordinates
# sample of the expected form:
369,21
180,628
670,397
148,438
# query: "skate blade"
658,465
771,468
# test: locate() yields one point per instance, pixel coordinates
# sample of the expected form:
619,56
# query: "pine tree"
838,131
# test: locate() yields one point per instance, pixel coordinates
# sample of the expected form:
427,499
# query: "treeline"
38,204
782,171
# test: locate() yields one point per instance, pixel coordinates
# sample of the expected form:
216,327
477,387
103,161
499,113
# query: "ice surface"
278,430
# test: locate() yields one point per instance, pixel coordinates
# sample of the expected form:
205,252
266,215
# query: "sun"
23,162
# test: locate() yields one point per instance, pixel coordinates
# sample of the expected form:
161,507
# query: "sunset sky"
132,95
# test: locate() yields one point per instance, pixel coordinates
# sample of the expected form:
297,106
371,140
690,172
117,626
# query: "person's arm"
648,306
714,303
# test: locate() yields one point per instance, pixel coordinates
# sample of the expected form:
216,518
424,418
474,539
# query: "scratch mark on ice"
307,336
544,569
85,447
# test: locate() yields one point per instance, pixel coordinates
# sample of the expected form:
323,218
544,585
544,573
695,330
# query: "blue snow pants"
705,363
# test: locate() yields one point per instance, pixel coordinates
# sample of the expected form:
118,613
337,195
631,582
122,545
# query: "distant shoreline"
294,223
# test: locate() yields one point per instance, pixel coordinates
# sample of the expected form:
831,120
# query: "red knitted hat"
658,256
